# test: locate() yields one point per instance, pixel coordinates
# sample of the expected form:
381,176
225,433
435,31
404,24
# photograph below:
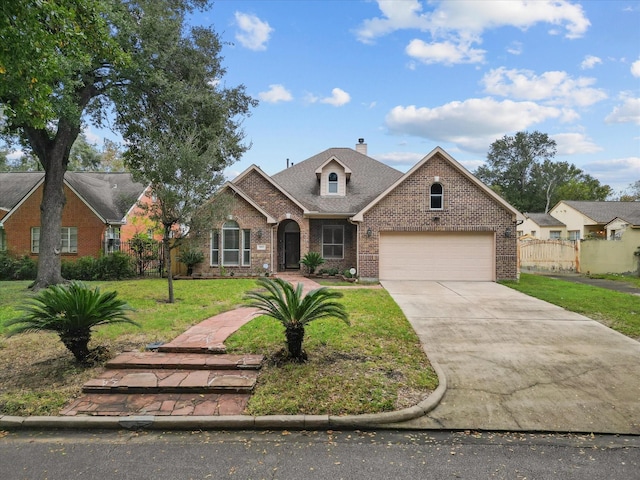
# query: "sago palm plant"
288,305
71,311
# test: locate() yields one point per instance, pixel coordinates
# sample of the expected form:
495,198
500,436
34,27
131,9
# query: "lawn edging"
236,422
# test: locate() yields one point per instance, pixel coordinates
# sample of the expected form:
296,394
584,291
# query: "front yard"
619,311
374,365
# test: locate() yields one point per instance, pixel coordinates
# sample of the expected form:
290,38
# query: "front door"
292,250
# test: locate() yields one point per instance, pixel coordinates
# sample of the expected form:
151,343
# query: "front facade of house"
435,222
99,212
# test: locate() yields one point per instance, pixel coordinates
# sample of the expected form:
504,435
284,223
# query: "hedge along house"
100,211
435,222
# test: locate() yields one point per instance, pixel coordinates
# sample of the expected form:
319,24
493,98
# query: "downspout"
357,224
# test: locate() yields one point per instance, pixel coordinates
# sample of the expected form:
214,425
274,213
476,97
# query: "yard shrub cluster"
116,266
16,267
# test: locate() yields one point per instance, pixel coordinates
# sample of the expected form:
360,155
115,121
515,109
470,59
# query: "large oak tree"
66,62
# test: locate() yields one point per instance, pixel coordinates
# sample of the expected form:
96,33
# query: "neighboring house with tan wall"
435,222
542,226
100,211
585,219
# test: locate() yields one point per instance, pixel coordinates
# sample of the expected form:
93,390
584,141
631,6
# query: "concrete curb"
231,422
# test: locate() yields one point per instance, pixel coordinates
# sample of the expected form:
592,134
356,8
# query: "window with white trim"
68,240
230,243
215,248
435,197
333,183
574,234
555,234
333,241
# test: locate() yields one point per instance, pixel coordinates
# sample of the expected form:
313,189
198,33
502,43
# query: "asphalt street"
370,455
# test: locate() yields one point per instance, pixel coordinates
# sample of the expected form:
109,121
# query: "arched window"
333,182
435,197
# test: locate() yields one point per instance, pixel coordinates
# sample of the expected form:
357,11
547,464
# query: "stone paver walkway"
191,375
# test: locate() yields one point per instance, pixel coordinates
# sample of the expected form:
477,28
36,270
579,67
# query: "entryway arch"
288,245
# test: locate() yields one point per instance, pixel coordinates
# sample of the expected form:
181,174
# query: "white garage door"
437,256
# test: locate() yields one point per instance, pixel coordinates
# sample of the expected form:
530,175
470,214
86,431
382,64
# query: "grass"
375,365
619,311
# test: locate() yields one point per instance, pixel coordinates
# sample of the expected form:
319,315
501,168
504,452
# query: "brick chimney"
361,147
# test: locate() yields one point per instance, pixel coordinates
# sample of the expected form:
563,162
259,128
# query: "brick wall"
466,208
74,214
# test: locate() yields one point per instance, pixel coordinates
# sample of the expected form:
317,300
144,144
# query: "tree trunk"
167,261
294,336
78,343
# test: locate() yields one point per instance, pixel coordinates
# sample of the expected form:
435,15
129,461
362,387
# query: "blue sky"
410,75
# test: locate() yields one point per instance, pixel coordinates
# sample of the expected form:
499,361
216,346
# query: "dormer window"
435,197
333,183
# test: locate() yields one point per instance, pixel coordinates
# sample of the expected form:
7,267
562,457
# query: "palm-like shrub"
287,305
71,311
312,260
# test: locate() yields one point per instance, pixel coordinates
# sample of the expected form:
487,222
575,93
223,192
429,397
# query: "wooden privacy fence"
550,255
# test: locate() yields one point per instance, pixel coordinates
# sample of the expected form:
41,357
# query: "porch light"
507,232
369,232
259,233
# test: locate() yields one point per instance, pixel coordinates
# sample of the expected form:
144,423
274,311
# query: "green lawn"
374,365
620,311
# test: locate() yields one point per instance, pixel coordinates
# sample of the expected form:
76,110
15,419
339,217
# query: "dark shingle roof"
544,220
604,212
369,178
109,194
14,186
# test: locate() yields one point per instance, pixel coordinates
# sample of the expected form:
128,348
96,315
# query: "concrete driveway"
513,362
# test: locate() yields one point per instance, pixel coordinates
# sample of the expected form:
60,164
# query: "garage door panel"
437,256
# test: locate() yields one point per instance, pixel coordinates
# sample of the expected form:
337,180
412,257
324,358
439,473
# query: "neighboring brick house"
100,212
435,222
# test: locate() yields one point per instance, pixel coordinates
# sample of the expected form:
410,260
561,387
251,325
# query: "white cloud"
15,155
574,143
472,124
444,52
515,48
400,158
616,172
589,62
338,98
627,112
556,87
473,16
635,68
254,33
92,137
276,93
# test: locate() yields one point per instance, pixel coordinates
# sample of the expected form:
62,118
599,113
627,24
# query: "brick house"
435,222
100,211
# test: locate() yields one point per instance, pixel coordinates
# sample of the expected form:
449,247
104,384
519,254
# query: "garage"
440,256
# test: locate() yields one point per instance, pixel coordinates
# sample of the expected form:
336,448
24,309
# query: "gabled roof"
258,170
369,178
544,220
603,212
244,196
346,169
109,195
14,186
438,151
633,219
